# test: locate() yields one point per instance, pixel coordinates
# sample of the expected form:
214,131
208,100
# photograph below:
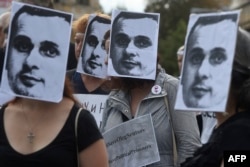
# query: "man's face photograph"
207,65
133,46
206,74
94,54
37,56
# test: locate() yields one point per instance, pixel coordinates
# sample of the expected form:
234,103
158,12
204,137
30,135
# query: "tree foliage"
174,15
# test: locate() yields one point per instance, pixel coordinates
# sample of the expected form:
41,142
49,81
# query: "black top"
232,135
61,151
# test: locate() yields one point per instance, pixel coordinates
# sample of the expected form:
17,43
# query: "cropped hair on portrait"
99,20
81,23
129,15
208,20
34,11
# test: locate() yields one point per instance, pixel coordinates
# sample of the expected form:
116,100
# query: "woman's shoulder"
84,114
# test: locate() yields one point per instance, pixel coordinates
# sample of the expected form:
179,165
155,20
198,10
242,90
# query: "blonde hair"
4,24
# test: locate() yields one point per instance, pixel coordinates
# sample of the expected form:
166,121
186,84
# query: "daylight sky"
131,5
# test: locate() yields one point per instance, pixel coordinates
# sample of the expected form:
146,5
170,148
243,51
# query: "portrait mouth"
200,91
30,80
93,64
130,63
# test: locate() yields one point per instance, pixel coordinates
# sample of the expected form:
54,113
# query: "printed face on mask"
94,53
204,72
132,49
34,51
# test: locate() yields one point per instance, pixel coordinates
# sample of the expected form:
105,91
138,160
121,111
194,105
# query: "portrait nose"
99,51
33,57
204,68
131,48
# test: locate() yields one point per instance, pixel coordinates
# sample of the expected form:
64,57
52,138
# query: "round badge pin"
156,89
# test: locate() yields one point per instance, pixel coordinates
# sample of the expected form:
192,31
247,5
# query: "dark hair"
129,15
208,20
240,83
99,20
34,11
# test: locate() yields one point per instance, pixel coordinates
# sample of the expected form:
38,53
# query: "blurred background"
174,15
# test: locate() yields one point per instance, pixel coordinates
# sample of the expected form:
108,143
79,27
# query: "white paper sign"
132,143
94,103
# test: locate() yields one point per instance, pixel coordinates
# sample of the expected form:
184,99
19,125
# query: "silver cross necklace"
31,136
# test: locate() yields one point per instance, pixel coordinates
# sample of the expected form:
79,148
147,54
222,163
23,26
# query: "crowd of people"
116,56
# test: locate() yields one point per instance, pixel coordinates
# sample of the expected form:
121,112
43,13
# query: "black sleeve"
237,136
88,131
2,55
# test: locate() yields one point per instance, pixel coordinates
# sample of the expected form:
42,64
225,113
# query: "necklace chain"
31,134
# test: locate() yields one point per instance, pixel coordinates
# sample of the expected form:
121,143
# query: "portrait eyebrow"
121,35
20,38
49,43
143,37
195,50
219,49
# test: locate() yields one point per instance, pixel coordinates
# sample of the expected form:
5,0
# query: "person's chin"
21,91
35,91
197,104
191,103
124,71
